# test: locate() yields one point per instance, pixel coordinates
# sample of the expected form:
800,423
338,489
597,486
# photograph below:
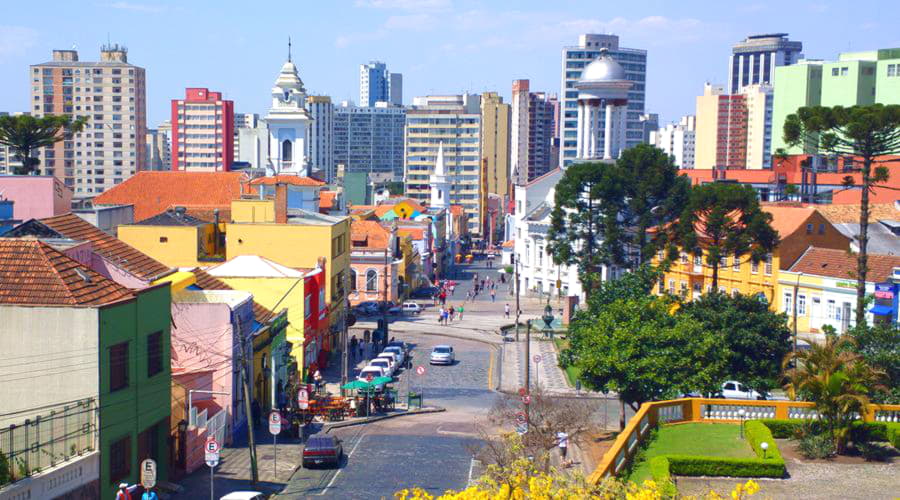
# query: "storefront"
884,309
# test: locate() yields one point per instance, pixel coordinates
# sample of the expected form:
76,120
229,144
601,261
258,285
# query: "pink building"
202,132
35,196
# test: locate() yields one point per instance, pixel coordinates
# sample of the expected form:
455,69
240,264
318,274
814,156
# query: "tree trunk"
715,277
621,414
589,282
862,260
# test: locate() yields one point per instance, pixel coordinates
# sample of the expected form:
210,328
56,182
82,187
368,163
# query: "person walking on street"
450,313
493,296
123,494
442,319
460,311
317,378
150,495
506,310
353,343
562,440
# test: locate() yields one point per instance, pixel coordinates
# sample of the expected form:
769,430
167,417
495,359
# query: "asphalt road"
430,451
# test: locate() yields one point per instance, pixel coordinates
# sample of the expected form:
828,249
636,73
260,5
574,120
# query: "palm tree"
26,133
836,379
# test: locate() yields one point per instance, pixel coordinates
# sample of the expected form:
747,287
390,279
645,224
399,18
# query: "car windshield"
395,350
380,362
442,350
374,373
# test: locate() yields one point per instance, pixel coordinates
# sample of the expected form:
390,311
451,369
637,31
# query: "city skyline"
441,46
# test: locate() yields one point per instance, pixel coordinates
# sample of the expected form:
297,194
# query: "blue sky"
440,46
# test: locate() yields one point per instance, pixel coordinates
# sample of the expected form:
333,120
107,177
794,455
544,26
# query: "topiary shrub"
659,471
685,465
816,446
757,433
782,429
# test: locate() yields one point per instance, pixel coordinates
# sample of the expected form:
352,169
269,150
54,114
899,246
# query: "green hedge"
659,471
875,431
757,433
684,465
781,429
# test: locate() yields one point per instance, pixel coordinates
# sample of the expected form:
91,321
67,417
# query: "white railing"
887,416
732,412
215,426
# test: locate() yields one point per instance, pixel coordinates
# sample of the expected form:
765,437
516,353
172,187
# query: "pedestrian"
443,319
368,350
452,289
353,346
317,378
506,310
123,494
482,282
562,439
256,412
450,313
150,495
460,311
493,296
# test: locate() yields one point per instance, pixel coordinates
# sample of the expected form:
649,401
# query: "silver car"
442,355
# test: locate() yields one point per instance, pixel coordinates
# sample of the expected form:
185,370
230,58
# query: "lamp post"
741,412
764,446
528,356
548,319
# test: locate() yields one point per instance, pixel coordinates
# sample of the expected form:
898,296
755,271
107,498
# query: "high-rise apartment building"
377,84
495,144
202,132
677,140
453,121
532,132
111,94
753,61
574,59
734,131
758,100
321,142
242,121
158,150
856,78
649,123
369,139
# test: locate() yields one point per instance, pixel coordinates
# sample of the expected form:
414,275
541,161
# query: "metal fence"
47,440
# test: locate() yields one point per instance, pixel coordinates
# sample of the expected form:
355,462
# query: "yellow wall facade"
685,275
253,211
175,246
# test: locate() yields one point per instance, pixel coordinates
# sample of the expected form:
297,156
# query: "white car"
375,372
385,364
392,357
412,308
243,495
733,389
398,353
442,355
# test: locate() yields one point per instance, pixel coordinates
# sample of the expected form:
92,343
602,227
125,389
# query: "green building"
856,78
85,336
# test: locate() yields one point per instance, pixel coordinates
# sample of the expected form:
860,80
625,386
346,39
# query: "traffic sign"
212,459
536,358
526,399
148,473
522,391
212,446
520,418
420,370
303,399
521,429
274,422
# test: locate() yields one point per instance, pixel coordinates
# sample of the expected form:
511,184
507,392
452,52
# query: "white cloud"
650,30
412,5
137,7
16,40
410,22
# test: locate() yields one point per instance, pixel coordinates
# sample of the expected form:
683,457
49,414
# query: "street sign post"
274,429
521,429
537,372
520,418
148,473
212,460
526,399
536,358
420,370
303,399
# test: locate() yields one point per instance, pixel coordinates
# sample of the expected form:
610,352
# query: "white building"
377,84
321,143
242,120
753,60
602,96
289,124
677,140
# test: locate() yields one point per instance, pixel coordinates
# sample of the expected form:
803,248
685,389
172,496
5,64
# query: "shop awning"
881,310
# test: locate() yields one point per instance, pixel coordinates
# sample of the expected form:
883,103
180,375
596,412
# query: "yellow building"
295,239
495,144
798,228
175,239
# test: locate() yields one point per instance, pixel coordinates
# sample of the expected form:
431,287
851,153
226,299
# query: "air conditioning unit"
895,274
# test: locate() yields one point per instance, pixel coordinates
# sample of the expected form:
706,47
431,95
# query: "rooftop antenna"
289,49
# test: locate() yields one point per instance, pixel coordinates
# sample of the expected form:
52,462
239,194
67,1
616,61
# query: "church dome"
288,77
603,68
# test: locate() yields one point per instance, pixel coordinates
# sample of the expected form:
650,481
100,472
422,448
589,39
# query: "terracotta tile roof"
837,214
368,234
293,180
208,282
33,273
112,249
154,192
326,199
842,264
509,244
878,195
416,233
787,219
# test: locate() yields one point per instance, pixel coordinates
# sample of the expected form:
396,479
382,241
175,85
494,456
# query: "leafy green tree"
879,346
653,195
862,133
836,379
726,220
25,134
583,221
643,351
756,338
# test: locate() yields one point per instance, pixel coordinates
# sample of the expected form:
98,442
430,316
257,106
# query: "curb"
337,425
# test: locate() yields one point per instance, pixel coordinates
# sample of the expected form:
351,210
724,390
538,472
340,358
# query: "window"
118,367
723,261
801,305
662,287
754,266
287,150
672,287
830,311
353,277
148,443
788,303
371,280
821,228
893,69
154,354
684,289
163,239
736,263
735,292
768,261
307,306
120,459
684,258
809,229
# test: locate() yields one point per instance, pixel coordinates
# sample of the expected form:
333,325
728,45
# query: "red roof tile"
207,281
368,234
326,199
33,273
154,192
112,249
415,233
842,264
293,180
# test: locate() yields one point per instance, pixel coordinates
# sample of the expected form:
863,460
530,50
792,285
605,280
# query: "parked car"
732,389
322,449
426,292
442,355
244,495
399,343
412,308
392,357
395,309
375,371
367,308
398,352
385,364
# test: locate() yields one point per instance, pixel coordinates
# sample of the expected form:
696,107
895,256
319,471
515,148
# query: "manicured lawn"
711,440
572,373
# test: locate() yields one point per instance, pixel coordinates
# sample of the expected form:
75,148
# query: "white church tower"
289,123
440,186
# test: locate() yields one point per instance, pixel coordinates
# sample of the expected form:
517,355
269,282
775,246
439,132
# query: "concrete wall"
49,356
108,218
76,478
36,197
175,246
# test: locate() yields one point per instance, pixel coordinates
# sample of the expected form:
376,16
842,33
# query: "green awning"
382,380
356,384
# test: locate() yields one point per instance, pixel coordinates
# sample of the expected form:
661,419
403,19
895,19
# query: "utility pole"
245,378
516,256
528,358
384,310
796,294
345,355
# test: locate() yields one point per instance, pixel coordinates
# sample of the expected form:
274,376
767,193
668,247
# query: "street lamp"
741,412
548,318
764,446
